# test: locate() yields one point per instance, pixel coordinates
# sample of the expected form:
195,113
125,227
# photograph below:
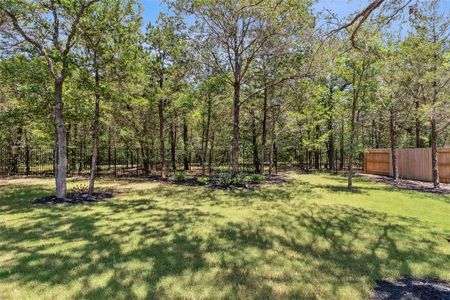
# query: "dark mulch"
413,185
410,288
74,198
192,181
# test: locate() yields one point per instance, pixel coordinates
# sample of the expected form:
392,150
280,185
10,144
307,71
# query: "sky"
152,8
343,8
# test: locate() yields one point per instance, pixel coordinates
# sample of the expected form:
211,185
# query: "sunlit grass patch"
306,238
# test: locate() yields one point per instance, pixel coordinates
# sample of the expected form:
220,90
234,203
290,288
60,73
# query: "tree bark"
264,132
256,162
418,125
61,167
393,137
434,155
211,154
96,131
235,141
352,142
330,150
185,145
341,150
173,145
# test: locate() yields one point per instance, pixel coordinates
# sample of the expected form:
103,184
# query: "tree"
51,30
106,29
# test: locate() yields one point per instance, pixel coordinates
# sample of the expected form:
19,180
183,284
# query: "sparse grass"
309,238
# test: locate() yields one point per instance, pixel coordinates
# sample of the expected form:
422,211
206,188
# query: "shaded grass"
309,238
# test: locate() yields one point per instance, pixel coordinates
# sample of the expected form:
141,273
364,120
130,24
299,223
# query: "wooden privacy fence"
413,163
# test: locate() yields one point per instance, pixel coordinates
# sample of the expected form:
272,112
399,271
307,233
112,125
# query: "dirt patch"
74,198
414,185
410,288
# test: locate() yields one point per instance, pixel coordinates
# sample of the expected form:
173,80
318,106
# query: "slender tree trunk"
393,137
256,162
211,154
96,131
206,136
341,150
185,145
235,141
161,137
272,147
418,125
330,150
173,145
264,132
61,167
352,142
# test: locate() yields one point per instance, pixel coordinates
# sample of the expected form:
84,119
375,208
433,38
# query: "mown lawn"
308,238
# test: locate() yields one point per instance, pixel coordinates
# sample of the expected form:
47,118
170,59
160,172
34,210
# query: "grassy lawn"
308,238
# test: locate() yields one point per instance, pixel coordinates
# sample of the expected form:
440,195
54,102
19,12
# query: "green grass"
309,238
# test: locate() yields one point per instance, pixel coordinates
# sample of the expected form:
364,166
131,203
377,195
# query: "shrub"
225,179
239,180
180,176
203,180
80,189
255,178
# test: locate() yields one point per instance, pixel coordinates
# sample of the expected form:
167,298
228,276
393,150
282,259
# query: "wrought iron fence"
28,161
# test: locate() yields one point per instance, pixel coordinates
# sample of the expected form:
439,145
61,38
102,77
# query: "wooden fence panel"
444,164
378,161
414,163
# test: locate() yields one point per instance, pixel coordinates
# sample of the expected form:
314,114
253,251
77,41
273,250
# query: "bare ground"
407,184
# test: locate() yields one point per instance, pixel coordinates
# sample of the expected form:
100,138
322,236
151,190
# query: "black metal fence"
28,161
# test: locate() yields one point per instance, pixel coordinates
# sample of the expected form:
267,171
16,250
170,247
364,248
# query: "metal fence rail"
28,161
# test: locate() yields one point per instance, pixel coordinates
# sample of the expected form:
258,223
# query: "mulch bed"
411,288
274,179
74,198
414,185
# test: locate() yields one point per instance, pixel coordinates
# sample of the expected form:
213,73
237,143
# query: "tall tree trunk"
341,150
173,145
162,149
61,167
330,150
235,141
206,133
211,154
418,125
264,131
434,155
272,147
393,137
256,162
185,145
96,131
352,142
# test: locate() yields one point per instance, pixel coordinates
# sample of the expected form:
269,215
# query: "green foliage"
225,179
179,176
80,189
203,180
255,178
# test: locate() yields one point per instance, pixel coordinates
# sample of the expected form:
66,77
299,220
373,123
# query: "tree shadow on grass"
290,250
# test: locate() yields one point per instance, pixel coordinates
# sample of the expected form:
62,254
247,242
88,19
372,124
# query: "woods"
222,86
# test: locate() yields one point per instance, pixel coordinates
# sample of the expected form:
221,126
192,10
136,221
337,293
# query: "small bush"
255,178
203,180
80,189
225,179
239,180
179,176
